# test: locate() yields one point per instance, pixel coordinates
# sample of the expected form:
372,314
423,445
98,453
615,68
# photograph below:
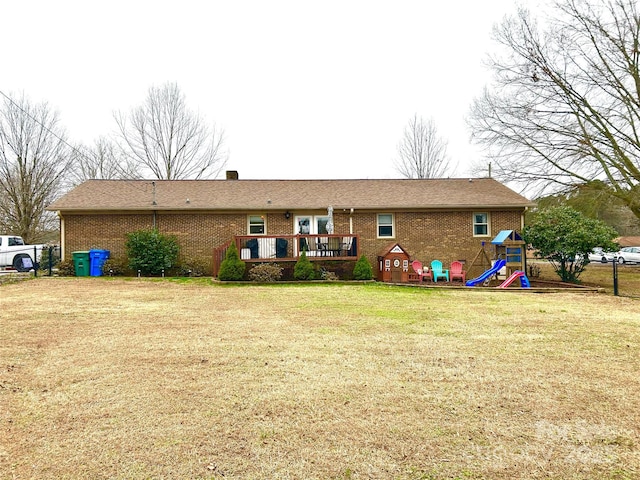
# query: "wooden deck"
288,248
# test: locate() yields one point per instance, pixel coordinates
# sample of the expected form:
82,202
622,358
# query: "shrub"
151,252
303,269
266,272
50,254
534,270
362,269
66,268
329,276
114,267
192,267
231,268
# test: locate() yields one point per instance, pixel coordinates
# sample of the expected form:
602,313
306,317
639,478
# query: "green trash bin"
81,263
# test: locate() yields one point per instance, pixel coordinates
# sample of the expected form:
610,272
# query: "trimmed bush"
362,269
303,269
192,267
231,268
151,252
266,272
329,276
114,267
66,268
49,255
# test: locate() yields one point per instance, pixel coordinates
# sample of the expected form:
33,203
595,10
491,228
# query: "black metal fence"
28,259
50,258
23,258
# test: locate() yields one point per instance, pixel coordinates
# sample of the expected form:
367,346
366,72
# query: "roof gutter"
245,208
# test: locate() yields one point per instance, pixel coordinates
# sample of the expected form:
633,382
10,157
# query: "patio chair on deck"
310,246
438,272
421,271
252,245
456,271
333,246
322,244
281,247
345,246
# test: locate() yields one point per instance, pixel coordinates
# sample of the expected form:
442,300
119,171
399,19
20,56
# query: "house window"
321,225
256,225
305,225
385,225
480,224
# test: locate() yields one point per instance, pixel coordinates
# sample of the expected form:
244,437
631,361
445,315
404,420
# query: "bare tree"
422,153
33,158
103,160
168,141
565,108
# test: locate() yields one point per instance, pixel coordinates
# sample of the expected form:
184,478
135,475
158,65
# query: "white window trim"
264,219
488,234
313,223
393,225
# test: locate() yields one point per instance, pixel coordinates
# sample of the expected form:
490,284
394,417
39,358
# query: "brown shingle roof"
628,241
109,195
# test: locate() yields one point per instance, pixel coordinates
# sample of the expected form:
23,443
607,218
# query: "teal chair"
438,272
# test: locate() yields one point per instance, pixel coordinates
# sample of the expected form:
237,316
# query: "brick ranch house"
273,220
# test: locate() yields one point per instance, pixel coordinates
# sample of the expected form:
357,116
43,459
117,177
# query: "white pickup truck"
15,254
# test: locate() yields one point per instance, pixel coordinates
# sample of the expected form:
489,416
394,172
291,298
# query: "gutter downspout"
62,236
153,222
524,247
351,221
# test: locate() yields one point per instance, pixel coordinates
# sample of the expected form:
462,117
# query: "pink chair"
456,271
422,272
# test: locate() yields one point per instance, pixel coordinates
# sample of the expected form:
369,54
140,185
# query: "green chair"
438,272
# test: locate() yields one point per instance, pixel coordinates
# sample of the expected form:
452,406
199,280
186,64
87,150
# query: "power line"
134,183
79,152
82,154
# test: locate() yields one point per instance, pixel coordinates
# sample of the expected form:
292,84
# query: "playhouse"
509,246
393,264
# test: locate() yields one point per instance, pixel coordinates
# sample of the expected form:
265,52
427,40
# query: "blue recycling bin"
97,258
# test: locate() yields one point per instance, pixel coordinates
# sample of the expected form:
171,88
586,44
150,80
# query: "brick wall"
426,236
84,232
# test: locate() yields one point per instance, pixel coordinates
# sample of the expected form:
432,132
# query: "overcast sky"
302,89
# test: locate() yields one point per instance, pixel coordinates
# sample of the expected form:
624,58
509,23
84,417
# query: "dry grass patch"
601,275
113,378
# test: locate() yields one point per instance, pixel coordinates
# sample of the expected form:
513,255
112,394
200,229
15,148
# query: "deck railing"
274,248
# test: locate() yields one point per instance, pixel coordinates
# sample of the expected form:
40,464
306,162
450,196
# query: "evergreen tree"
231,268
362,269
304,269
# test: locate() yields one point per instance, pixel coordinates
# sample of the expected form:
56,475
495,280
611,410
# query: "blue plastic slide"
488,274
